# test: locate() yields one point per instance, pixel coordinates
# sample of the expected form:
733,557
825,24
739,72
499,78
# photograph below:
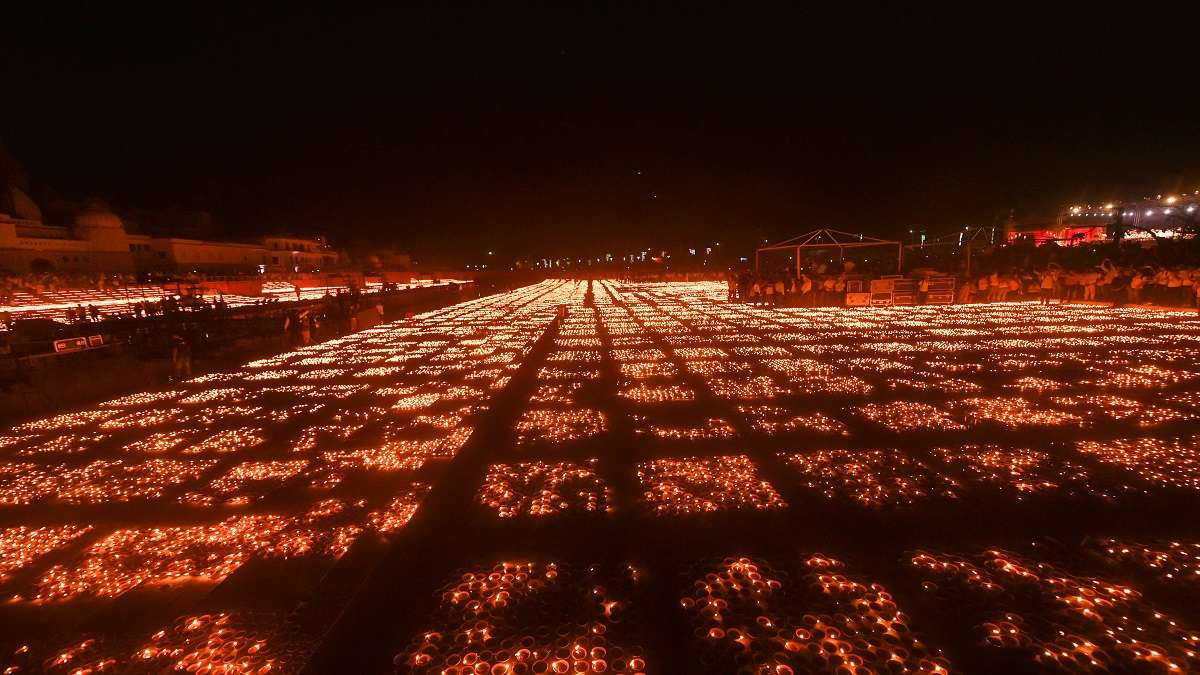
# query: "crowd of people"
166,306
1177,286
169,304
817,286
1107,282
306,324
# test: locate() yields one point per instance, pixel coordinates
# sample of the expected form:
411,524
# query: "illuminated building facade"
1164,217
97,240
1160,217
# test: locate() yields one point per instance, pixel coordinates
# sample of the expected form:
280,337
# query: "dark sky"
539,132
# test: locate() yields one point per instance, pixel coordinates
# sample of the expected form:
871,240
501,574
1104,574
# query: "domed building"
95,214
96,239
105,234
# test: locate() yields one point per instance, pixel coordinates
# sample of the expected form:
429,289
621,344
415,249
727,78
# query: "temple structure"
97,240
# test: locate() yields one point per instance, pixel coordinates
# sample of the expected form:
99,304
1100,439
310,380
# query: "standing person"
965,288
780,290
181,358
923,290
1158,286
1030,285
287,330
731,287
1118,290
1089,280
305,329
1046,286
755,291
1174,288
1012,284
995,286
1000,291
806,290
768,293
1136,283
93,313
1071,281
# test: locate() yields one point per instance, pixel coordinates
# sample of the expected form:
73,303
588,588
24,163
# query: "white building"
97,241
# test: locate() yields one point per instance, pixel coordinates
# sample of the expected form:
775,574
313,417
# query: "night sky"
452,132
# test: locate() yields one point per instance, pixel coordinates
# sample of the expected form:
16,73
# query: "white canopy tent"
827,239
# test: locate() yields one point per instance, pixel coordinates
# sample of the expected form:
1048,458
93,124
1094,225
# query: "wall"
186,255
95,249
250,287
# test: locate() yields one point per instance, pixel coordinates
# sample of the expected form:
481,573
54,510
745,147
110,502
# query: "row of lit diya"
121,560
745,614
209,479
553,417
873,478
815,615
